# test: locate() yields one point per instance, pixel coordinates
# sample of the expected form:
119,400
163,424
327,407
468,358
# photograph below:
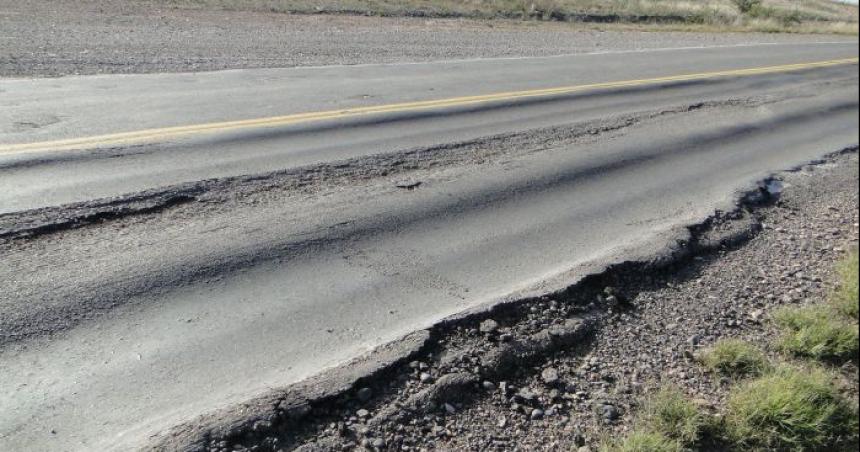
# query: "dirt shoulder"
565,372
68,37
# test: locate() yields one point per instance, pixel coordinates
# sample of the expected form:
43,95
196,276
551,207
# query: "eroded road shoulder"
563,371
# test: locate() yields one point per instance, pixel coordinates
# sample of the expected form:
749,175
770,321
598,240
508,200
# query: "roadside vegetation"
817,332
735,358
797,402
823,16
828,331
793,408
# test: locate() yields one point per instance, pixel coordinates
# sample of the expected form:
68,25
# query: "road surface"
374,200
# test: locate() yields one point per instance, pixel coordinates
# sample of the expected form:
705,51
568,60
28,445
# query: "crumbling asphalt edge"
281,408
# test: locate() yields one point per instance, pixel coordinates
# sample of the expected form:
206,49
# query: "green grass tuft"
671,414
735,358
815,332
643,441
790,409
667,422
844,300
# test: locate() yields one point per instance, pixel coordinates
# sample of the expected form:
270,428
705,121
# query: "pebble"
364,394
549,375
610,413
488,326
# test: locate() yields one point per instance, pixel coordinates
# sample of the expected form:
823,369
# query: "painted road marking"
166,133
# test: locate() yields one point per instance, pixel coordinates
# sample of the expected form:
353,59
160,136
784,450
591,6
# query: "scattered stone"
488,326
364,394
526,395
609,412
757,315
536,414
549,376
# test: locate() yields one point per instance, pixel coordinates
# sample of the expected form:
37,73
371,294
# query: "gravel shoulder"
566,371
72,37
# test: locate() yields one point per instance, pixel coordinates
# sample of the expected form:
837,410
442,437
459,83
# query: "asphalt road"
47,110
145,321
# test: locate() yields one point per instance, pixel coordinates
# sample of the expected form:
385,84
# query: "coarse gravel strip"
79,37
644,329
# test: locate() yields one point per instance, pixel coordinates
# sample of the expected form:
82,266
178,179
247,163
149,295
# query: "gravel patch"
66,37
565,371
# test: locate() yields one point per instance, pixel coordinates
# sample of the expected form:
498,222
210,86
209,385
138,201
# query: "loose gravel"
566,372
66,37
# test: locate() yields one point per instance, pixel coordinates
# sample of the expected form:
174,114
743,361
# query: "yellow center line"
165,133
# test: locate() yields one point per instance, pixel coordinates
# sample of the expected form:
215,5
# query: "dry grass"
821,16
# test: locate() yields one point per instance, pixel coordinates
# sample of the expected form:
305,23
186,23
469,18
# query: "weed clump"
671,414
643,441
815,332
735,358
844,299
790,409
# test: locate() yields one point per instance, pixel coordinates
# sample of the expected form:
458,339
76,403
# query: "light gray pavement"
144,322
48,109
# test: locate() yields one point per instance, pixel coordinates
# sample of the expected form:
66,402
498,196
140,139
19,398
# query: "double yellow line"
166,133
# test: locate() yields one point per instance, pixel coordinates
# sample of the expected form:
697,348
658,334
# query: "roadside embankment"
75,37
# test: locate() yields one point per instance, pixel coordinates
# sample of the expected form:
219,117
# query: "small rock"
364,394
424,377
378,443
610,413
450,409
526,394
488,326
488,385
549,376
362,413
536,414
757,315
